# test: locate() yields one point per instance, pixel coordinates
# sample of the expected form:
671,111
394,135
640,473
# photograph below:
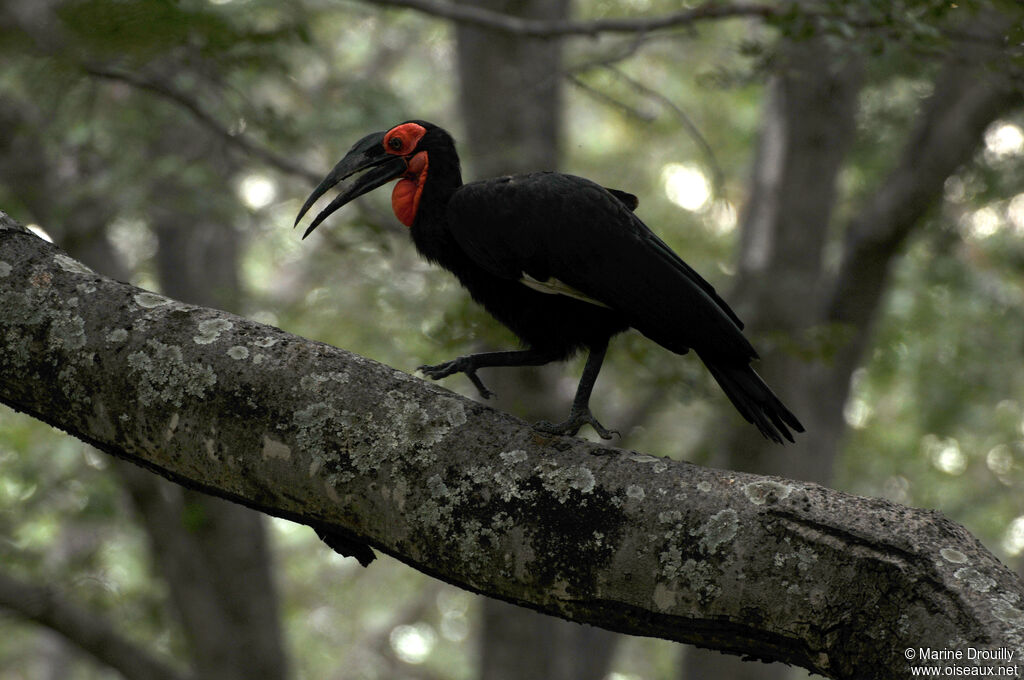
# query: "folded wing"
567,231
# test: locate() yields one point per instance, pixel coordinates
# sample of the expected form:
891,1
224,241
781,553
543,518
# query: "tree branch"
608,100
887,23
87,631
765,567
717,174
542,28
966,99
45,30
167,91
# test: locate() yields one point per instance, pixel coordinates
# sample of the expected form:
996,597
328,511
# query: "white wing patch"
553,286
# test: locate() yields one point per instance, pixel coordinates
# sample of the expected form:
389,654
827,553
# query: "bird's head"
403,152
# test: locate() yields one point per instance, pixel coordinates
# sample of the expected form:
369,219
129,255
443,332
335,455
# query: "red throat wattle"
405,198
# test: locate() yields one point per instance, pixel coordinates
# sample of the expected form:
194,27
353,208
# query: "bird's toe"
457,365
572,425
438,371
563,428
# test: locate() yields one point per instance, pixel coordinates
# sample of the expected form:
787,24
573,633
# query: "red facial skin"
401,141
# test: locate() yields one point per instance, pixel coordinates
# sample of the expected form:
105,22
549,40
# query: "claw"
480,387
437,371
577,419
457,365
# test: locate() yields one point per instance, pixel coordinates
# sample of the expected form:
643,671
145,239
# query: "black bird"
561,261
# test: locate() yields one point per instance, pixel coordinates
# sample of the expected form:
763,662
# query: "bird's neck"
444,177
430,229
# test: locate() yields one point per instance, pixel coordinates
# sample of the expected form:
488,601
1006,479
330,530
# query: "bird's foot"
578,417
463,364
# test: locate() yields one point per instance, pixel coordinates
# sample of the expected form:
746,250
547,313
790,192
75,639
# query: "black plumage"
561,261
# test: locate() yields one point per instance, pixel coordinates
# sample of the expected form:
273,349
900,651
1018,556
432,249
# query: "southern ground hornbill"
561,261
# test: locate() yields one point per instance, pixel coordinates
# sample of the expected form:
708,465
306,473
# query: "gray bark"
541,646
218,570
808,127
764,567
215,559
214,554
510,97
511,92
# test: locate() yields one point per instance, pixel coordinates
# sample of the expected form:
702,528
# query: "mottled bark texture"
788,289
511,104
212,554
764,567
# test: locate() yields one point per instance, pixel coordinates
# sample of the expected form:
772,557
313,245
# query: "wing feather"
555,226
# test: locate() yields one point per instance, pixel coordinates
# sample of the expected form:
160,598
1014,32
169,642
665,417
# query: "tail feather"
755,400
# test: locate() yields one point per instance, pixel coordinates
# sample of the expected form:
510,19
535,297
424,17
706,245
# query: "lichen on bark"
765,567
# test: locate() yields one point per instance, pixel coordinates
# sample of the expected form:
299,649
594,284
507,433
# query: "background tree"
808,130
511,98
884,197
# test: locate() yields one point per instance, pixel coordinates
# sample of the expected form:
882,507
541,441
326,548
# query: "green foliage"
63,524
145,30
937,413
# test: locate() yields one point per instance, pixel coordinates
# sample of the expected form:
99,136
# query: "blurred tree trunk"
213,554
807,127
511,105
57,656
783,288
511,91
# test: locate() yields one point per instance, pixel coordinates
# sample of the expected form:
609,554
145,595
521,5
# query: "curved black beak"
366,154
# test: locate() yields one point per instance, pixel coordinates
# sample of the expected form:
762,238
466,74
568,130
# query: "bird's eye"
402,139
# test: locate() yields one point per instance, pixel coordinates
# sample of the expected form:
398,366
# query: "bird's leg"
580,414
469,364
